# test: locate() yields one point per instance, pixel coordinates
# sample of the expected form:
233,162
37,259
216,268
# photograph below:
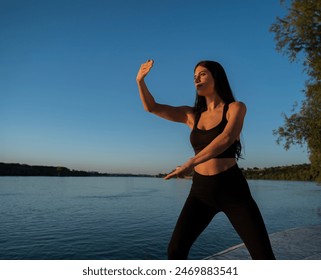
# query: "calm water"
127,218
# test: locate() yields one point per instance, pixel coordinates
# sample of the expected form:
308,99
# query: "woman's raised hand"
144,70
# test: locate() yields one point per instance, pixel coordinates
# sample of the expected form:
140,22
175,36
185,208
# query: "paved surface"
293,244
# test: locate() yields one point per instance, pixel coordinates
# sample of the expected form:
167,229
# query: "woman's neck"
213,102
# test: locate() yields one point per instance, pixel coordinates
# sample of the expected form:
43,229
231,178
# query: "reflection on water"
127,218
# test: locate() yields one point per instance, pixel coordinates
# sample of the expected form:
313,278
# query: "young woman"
218,185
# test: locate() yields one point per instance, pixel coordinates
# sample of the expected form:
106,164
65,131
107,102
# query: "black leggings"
227,192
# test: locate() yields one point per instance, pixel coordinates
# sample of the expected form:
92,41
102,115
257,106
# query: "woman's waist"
214,166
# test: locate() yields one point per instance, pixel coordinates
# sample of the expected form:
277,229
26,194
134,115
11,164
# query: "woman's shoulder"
237,105
236,108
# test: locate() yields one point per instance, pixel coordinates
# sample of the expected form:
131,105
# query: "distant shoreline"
299,172
17,169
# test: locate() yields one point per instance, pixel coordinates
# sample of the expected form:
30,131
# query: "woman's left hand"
181,171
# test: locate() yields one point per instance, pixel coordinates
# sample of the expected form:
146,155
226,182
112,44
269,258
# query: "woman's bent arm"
146,97
183,114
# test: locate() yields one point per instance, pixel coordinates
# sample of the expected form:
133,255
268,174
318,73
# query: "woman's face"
204,81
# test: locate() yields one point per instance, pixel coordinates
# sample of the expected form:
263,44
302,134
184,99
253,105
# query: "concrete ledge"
292,244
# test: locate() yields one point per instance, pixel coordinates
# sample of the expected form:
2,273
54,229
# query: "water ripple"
122,218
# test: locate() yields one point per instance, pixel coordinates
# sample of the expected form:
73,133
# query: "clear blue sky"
69,95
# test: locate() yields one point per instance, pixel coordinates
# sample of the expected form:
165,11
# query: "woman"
218,185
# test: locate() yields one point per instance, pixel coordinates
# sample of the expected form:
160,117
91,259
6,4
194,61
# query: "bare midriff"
214,166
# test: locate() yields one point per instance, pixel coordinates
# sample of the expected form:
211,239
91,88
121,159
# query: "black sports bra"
201,138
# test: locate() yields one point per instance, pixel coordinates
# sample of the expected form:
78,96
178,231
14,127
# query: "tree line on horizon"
300,172
295,172
16,169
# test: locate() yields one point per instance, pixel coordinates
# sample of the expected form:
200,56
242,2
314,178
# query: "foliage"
301,172
298,35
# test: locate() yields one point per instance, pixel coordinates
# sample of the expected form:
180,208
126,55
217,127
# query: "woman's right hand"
144,70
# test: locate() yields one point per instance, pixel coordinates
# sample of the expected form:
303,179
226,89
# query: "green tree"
298,35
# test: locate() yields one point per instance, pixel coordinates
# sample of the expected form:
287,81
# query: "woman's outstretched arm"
182,114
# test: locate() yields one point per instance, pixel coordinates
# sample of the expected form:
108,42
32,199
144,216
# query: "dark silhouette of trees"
298,35
301,172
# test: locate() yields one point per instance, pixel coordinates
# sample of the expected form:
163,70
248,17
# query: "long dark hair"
222,88
222,85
